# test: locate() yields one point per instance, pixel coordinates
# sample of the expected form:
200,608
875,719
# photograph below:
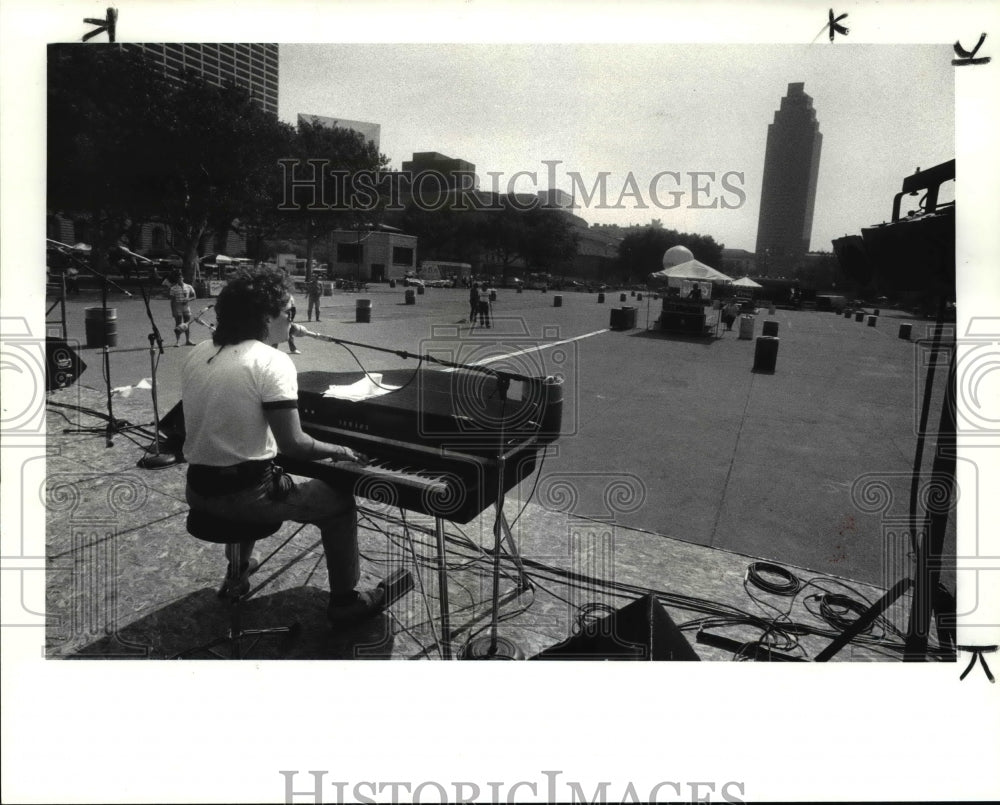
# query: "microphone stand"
158,460
114,425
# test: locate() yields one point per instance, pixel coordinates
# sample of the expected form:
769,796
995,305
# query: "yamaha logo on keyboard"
350,424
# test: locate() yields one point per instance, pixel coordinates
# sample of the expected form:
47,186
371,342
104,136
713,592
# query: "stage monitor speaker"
641,630
62,365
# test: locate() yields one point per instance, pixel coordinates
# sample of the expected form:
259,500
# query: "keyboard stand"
523,582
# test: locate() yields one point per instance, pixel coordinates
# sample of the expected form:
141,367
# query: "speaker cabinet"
641,630
62,365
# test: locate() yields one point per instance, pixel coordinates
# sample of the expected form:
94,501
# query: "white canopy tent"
746,282
690,273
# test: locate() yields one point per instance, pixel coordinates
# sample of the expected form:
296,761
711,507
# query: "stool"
238,537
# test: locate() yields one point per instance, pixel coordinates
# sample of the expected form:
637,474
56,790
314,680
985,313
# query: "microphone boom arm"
298,329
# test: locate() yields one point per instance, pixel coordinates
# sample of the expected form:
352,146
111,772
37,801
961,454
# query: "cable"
757,573
420,362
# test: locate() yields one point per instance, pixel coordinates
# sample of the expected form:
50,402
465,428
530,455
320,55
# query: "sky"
639,110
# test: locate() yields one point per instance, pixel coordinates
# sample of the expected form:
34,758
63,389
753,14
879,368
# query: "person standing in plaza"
729,313
181,294
313,293
473,302
484,306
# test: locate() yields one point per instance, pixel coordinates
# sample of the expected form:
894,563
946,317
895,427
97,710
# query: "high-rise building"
370,131
788,192
252,66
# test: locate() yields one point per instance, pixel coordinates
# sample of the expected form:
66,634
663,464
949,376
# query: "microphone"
298,329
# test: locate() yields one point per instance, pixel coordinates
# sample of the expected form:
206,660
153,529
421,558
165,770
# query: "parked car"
439,283
412,282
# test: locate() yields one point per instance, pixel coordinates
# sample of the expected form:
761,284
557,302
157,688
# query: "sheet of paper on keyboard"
367,387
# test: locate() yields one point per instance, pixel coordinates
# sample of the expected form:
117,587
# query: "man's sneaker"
368,603
295,352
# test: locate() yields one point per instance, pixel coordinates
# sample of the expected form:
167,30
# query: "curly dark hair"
247,304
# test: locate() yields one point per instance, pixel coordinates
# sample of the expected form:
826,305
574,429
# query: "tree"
212,162
641,252
99,133
126,146
331,181
537,236
549,239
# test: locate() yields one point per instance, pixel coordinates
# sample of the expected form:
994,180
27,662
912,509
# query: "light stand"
157,460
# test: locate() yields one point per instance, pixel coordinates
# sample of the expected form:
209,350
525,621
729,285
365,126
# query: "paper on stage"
367,387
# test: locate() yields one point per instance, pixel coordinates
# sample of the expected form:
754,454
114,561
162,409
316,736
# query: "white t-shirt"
225,398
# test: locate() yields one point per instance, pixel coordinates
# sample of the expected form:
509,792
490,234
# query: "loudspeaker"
641,630
62,365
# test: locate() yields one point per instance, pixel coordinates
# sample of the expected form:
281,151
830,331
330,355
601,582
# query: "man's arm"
296,443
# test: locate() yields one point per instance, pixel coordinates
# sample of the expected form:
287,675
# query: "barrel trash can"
769,328
872,320
420,290
623,318
363,311
905,330
622,297
392,283
848,313
101,326
520,289
765,354
638,297
877,312
746,327
557,301
410,296
859,315
545,289
770,309
600,299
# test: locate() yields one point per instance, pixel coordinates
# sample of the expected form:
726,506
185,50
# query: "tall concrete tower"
788,192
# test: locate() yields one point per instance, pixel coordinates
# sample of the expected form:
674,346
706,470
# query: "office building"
370,131
253,66
788,191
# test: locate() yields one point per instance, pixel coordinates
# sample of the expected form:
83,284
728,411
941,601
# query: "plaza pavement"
677,462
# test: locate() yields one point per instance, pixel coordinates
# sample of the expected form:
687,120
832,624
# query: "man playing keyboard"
240,409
